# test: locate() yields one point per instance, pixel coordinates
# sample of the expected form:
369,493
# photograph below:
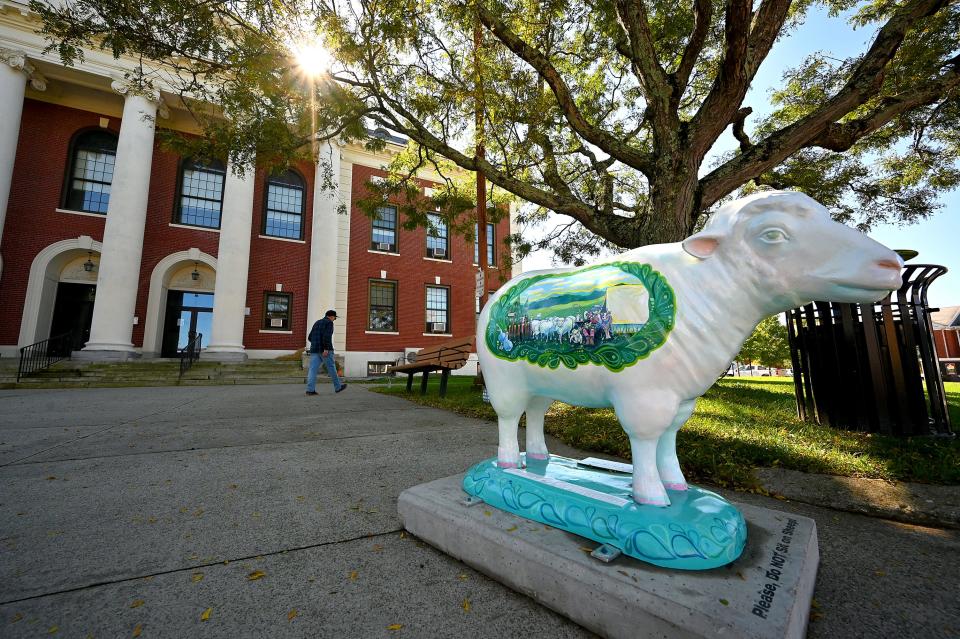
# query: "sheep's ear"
701,245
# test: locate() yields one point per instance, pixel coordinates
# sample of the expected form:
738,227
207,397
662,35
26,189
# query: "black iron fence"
871,367
45,353
190,353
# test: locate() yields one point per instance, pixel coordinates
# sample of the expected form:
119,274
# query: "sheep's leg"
536,445
667,463
645,417
509,402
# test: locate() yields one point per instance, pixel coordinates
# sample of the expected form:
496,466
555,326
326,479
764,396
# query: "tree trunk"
674,201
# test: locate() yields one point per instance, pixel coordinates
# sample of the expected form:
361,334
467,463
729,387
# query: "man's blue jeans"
315,359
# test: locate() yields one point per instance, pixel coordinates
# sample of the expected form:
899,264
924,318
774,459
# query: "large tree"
600,110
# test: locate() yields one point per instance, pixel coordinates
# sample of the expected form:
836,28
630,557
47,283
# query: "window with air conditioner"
384,234
438,309
375,369
438,240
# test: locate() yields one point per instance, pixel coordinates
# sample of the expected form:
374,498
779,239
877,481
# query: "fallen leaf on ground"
395,626
197,576
487,513
466,605
137,603
291,614
740,574
137,630
814,603
377,548
256,574
198,512
17,617
880,573
255,514
353,575
233,486
206,614
462,577
184,509
585,549
725,602
512,528
403,535
300,497
51,477
53,629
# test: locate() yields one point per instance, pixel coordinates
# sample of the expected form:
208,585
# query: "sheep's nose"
892,264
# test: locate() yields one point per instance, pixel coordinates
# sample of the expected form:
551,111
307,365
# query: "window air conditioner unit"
276,322
410,355
383,246
439,327
440,252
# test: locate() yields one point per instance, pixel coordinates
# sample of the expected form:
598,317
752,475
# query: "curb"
921,504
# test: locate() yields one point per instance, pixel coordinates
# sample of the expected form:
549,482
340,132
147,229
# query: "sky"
937,238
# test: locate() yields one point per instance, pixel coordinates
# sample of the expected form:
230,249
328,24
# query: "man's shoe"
341,388
311,392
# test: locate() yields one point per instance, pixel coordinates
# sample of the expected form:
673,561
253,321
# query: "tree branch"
864,81
643,58
730,85
588,131
738,131
702,14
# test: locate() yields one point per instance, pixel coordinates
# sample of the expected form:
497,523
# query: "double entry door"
188,314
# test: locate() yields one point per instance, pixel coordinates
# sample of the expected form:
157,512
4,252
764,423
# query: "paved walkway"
271,514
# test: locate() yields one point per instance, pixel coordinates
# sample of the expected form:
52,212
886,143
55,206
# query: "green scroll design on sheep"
611,315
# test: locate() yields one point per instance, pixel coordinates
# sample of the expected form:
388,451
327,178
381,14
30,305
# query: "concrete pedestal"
765,593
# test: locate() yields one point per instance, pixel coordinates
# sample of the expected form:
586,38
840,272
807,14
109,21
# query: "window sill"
438,334
437,259
267,332
102,216
282,239
383,252
191,227
382,332
488,265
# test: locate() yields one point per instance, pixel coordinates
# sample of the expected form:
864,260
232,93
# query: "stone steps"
80,374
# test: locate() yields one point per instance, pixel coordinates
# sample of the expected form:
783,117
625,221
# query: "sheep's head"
799,254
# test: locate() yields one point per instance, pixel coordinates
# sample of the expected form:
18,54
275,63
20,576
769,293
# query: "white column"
14,72
119,271
323,235
233,265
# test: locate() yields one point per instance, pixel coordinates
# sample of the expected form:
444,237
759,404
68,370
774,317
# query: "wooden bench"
447,356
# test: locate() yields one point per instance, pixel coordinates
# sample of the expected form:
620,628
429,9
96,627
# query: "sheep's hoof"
538,456
506,464
673,485
660,503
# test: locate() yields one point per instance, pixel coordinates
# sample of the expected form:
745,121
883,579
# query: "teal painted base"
698,531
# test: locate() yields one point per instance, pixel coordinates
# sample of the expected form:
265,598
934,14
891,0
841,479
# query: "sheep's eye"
774,236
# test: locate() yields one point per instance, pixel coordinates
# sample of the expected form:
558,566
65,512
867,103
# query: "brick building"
135,250
946,339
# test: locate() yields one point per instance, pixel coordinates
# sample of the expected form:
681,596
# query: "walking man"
321,349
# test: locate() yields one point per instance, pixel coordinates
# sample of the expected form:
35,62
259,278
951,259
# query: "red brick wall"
275,262
947,343
413,274
32,222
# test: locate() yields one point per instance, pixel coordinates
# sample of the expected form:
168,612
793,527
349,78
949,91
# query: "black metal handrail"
190,353
45,353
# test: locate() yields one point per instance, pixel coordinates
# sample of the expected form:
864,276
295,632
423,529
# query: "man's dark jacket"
321,336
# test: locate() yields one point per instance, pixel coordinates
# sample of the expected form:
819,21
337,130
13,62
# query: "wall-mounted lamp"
88,266
195,275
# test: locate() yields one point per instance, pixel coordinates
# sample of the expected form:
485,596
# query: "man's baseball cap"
330,312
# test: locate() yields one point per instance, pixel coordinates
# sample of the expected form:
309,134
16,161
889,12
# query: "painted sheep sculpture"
649,331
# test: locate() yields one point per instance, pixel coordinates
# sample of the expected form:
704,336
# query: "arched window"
285,201
91,171
201,193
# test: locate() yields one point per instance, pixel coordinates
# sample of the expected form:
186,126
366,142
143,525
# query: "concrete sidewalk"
274,515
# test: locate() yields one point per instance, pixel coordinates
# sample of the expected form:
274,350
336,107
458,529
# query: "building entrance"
187,314
73,312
